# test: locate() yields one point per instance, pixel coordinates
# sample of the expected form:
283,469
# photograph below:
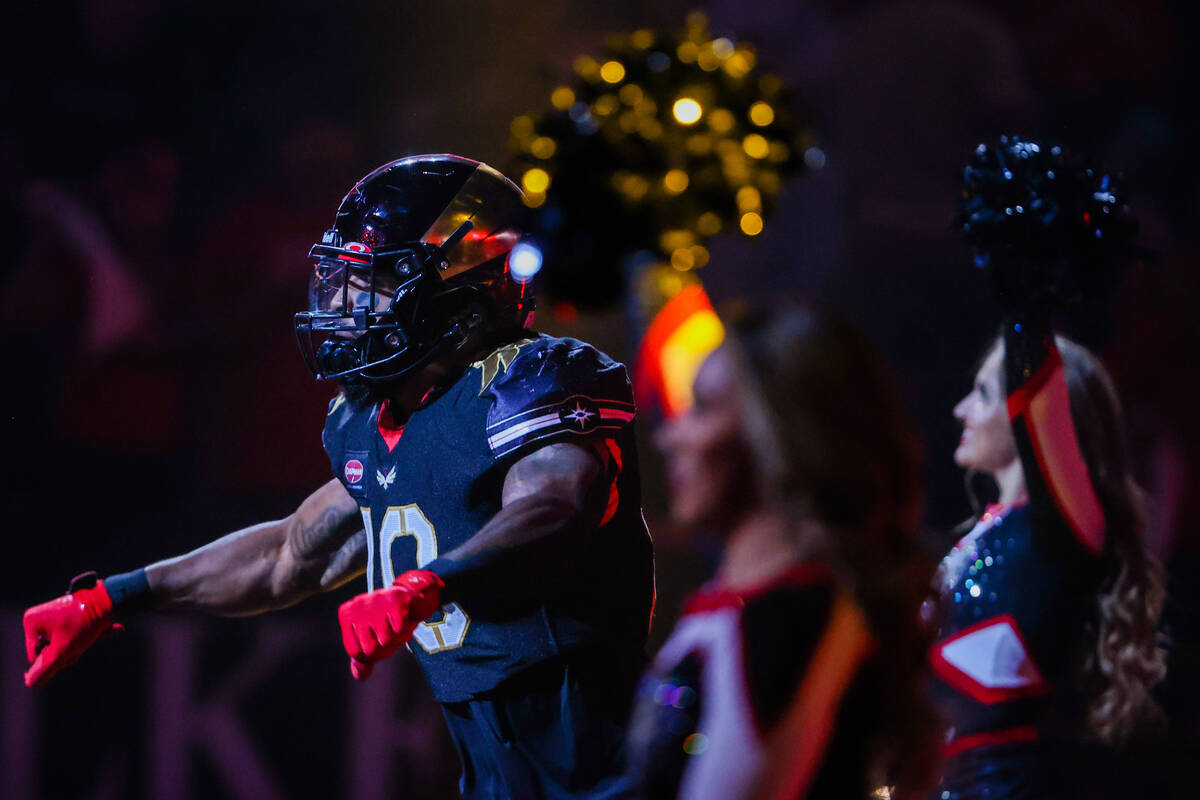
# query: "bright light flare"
687,111
524,261
761,114
752,223
536,180
612,72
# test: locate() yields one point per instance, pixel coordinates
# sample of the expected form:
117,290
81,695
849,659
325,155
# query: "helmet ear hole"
404,267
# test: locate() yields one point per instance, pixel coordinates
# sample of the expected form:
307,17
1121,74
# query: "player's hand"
376,624
58,632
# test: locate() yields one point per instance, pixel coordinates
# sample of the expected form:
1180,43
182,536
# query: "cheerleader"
798,671
1051,602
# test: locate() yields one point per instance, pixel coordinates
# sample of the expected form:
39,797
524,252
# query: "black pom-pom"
1028,206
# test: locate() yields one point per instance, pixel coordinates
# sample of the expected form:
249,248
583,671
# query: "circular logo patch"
580,413
354,471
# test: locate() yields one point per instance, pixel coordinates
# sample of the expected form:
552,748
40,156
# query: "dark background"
164,168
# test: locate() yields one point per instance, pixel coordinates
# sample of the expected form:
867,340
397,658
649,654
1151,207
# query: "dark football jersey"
428,487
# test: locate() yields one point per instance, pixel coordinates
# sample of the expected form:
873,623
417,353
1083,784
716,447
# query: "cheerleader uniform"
1017,589
740,666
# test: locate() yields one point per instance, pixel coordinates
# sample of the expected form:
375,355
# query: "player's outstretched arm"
268,566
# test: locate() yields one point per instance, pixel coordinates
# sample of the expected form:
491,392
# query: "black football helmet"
416,261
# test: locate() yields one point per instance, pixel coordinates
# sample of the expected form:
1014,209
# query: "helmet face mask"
416,261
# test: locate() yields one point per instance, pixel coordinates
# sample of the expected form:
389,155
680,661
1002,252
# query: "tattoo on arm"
325,544
347,563
320,536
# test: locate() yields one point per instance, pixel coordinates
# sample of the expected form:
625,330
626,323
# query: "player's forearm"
552,503
268,566
530,546
235,575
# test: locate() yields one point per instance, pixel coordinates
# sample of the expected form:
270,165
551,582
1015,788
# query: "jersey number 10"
434,635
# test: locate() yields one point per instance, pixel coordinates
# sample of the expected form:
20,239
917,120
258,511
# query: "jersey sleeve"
557,390
333,436
1056,475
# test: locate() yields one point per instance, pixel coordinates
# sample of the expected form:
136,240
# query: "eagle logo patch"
386,480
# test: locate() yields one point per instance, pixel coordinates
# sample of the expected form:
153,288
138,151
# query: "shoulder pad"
556,389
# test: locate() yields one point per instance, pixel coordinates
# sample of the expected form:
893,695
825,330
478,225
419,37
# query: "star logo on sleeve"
580,413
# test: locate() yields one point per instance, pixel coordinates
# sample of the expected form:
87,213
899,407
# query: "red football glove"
57,633
376,624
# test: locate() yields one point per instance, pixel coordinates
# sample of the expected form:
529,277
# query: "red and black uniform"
733,670
1017,589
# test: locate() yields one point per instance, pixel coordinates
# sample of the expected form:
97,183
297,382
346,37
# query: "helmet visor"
339,293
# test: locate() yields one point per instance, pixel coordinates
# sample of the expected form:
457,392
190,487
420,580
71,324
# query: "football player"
486,482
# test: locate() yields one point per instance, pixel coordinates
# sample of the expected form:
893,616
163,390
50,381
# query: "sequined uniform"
1016,588
426,488
724,681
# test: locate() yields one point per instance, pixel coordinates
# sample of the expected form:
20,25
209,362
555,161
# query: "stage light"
752,223
748,199
524,261
587,68
612,72
562,98
631,94
739,64
650,128
642,39
535,180
698,144
721,120
675,181
761,114
756,146
683,259
522,126
708,224
687,111
605,104
707,60
543,147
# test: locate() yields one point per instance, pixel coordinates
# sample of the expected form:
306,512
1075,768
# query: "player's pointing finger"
32,635
361,670
44,666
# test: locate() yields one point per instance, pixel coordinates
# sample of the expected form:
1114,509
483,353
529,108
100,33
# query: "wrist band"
448,570
130,591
